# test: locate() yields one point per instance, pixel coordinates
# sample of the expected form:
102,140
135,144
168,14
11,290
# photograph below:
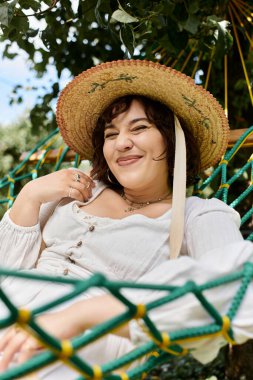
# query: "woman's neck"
148,195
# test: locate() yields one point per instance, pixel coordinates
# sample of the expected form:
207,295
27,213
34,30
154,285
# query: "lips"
128,160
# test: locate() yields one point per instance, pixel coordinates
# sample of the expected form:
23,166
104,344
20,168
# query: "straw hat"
87,95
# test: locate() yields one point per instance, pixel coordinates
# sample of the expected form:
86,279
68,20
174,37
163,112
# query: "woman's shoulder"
196,206
204,203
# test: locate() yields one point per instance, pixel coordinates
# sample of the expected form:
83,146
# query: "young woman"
130,216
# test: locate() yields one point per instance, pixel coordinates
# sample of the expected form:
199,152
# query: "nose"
124,141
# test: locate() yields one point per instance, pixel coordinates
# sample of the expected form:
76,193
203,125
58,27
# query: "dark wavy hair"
163,118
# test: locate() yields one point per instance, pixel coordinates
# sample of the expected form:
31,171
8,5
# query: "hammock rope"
160,344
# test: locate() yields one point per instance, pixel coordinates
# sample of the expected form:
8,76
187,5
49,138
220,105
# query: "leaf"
32,32
30,4
55,89
10,55
224,39
13,34
122,16
169,7
98,16
212,21
20,23
193,6
127,38
192,24
11,9
4,17
45,39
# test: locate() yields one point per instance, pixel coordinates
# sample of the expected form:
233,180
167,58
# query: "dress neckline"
77,204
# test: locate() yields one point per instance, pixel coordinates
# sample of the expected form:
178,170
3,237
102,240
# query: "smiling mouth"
125,161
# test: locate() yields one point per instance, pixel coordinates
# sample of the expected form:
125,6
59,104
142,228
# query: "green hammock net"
161,345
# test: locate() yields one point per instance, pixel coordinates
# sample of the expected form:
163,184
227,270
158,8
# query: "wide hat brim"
84,99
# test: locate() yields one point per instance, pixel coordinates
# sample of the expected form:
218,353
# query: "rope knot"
124,376
224,185
97,372
140,311
165,343
226,329
224,162
24,316
10,179
66,349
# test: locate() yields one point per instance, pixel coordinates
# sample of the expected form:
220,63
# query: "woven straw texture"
88,94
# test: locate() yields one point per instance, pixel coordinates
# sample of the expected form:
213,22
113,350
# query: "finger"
77,194
88,185
84,189
85,181
30,348
11,349
25,355
83,185
7,336
82,177
89,180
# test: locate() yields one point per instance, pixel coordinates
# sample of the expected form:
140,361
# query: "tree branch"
53,4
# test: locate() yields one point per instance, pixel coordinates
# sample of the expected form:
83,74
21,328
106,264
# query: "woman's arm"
63,324
20,228
52,187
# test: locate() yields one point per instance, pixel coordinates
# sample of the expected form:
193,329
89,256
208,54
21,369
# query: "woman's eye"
139,128
110,135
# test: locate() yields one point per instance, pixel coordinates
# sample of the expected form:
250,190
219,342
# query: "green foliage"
95,31
14,140
187,368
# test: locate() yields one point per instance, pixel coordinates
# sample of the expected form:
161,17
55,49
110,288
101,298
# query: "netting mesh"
229,174
161,345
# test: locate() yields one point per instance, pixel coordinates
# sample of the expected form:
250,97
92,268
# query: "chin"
131,182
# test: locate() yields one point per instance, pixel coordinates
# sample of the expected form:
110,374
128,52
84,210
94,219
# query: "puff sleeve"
215,248
209,224
19,245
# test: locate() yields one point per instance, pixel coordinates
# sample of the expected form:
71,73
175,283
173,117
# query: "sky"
16,71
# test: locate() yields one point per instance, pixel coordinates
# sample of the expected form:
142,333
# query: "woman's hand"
71,183
17,345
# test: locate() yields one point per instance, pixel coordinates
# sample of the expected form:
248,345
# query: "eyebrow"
111,125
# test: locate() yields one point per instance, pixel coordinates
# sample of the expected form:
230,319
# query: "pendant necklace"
137,205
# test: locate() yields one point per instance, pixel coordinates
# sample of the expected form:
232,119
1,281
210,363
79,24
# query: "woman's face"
134,149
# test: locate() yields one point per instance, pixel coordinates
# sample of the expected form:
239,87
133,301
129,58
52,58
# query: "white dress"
134,248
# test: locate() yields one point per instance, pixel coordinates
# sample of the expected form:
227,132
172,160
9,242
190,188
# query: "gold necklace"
137,205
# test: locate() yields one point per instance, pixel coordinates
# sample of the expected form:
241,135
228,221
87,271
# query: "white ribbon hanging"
179,193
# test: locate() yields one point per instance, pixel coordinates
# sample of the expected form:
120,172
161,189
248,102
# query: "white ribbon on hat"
179,193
